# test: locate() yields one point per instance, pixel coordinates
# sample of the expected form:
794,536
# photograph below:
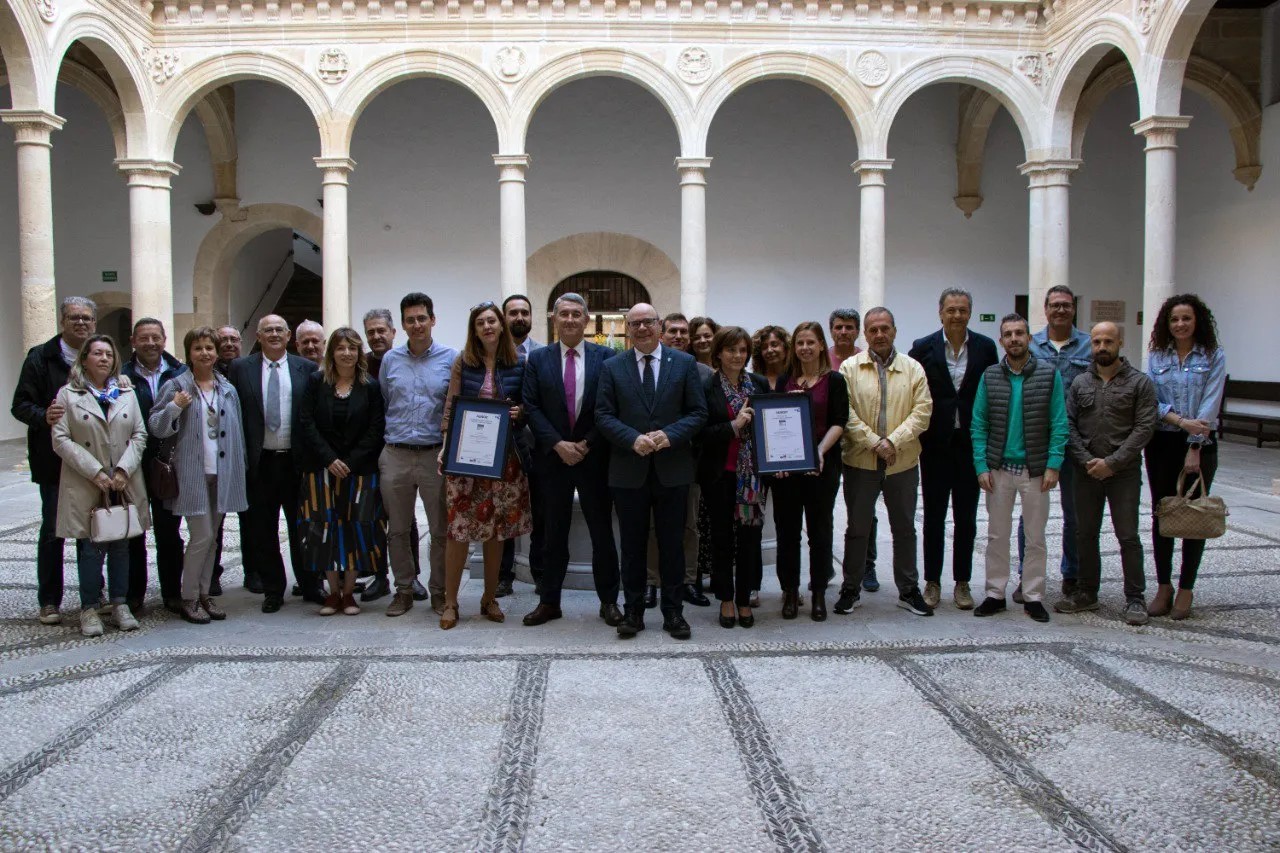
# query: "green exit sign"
110,275
987,318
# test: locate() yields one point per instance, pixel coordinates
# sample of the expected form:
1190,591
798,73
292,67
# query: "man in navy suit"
270,385
560,383
954,359
650,407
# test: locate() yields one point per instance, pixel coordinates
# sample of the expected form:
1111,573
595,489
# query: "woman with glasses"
100,440
482,510
202,409
340,436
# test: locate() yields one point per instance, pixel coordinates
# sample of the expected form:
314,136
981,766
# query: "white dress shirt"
280,439
657,364
957,364
580,372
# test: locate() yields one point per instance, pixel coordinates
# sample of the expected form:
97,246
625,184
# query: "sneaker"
915,602
848,601
401,604
962,596
1017,594
90,623
1036,611
1069,586
1135,612
124,617
932,594
1077,603
869,582
104,606
989,607
50,615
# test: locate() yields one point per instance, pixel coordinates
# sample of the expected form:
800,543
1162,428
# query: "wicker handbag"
1185,516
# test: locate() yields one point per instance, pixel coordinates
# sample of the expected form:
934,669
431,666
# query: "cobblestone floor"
875,731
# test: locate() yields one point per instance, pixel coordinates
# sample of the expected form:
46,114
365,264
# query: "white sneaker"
49,615
90,624
124,618
104,606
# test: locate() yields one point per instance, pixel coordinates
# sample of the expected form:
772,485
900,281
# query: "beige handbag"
1185,516
112,523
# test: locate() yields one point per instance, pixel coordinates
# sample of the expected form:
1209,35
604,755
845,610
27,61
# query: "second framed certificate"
783,433
479,435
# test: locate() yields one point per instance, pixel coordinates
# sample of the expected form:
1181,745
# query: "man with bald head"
270,385
1111,413
310,338
649,407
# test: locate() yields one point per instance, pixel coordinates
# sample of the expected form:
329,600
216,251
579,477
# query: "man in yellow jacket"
889,407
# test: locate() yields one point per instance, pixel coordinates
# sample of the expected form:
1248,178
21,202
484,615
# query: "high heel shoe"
490,610
449,616
748,620
730,620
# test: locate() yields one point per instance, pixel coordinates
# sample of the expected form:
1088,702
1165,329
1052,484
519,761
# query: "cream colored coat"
909,406
89,443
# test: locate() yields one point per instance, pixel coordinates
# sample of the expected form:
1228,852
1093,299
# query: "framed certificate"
783,433
478,439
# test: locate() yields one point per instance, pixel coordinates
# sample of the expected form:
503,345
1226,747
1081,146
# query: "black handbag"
162,479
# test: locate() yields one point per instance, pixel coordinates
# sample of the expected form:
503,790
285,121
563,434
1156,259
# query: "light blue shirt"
1192,388
414,387
1074,358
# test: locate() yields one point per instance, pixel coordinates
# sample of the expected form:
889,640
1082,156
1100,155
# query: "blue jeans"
1070,566
89,559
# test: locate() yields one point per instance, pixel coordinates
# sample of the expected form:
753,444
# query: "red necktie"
571,387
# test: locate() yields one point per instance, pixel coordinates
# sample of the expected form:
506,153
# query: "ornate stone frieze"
333,65
1035,66
872,68
694,65
48,10
1145,14
510,64
160,64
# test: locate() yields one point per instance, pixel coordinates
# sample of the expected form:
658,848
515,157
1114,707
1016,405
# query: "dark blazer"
931,352
43,374
142,391
545,405
246,375
679,409
319,440
717,434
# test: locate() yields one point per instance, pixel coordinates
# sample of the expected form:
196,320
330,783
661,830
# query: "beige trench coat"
89,443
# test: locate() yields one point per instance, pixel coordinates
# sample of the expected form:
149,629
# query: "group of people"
346,441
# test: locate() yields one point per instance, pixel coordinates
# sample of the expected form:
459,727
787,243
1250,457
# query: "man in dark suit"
570,454
954,359
149,369
270,385
650,407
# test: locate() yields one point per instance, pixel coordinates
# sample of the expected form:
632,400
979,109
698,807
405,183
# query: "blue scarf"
112,392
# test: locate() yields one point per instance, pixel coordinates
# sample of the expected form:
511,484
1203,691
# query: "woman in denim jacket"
1189,370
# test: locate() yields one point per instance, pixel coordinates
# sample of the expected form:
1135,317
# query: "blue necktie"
646,383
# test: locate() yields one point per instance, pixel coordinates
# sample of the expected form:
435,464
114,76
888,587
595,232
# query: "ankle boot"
1163,600
790,603
1181,605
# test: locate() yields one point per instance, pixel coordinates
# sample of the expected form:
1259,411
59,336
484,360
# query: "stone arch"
75,74
1013,91
821,73
218,250
124,66
598,62
1076,65
218,120
1169,43
978,109
189,87
604,250
28,88
411,64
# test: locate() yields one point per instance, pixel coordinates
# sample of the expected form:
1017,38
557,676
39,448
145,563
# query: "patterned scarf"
751,494
104,397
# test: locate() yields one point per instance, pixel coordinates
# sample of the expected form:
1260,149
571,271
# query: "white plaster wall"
192,186
254,268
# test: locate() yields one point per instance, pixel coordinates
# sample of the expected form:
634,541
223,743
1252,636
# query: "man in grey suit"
650,406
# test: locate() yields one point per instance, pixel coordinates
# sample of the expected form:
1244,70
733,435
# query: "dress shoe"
677,627
990,607
1163,601
253,583
490,610
401,604
173,605
448,617
790,604
332,605
542,614
1181,605
377,589
216,613
632,623
1017,593
819,611
194,613
962,596
694,596
1036,611
651,598
611,615
272,603
746,621
315,596
731,618
297,590
504,589
419,591
215,584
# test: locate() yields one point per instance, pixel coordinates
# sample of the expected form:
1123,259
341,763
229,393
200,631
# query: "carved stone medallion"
1146,13
333,65
48,10
510,63
872,68
694,65
160,64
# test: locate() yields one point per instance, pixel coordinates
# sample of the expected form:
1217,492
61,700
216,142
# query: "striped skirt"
340,523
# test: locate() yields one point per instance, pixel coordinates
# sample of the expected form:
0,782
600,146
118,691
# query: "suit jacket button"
222,453
224,433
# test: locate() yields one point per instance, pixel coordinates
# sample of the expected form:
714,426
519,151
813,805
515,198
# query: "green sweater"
1015,446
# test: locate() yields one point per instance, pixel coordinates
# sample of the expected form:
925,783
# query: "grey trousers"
406,474
202,547
861,489
1121,492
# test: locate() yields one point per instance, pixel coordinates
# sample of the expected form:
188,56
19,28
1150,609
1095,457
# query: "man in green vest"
1019,441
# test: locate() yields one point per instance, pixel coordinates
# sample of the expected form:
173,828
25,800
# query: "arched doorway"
609,294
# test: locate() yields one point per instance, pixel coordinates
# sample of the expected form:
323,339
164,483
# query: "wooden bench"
1251,408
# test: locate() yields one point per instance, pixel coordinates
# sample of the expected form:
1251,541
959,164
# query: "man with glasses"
43,372
650,406
228,348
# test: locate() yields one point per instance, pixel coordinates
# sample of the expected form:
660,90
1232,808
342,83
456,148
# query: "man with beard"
1111,409
310,340
518,311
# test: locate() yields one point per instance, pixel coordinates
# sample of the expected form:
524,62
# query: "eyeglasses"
1061,306
81,319
643,323
274,330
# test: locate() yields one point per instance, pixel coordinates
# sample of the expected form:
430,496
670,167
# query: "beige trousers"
406,475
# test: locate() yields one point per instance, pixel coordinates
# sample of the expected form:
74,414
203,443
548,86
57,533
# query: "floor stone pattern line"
508,808
1252,762
1034,787
220,823
776,794
17,775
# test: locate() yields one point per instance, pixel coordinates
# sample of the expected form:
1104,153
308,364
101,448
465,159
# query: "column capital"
693,170
1050,173
512,167
337,170
32,127
148,173
871,171
1161,131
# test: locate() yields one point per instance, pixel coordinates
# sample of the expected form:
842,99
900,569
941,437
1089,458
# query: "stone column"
1049,231
693,235
336,265
512,253
32,129
1161,220
871,235
150,240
